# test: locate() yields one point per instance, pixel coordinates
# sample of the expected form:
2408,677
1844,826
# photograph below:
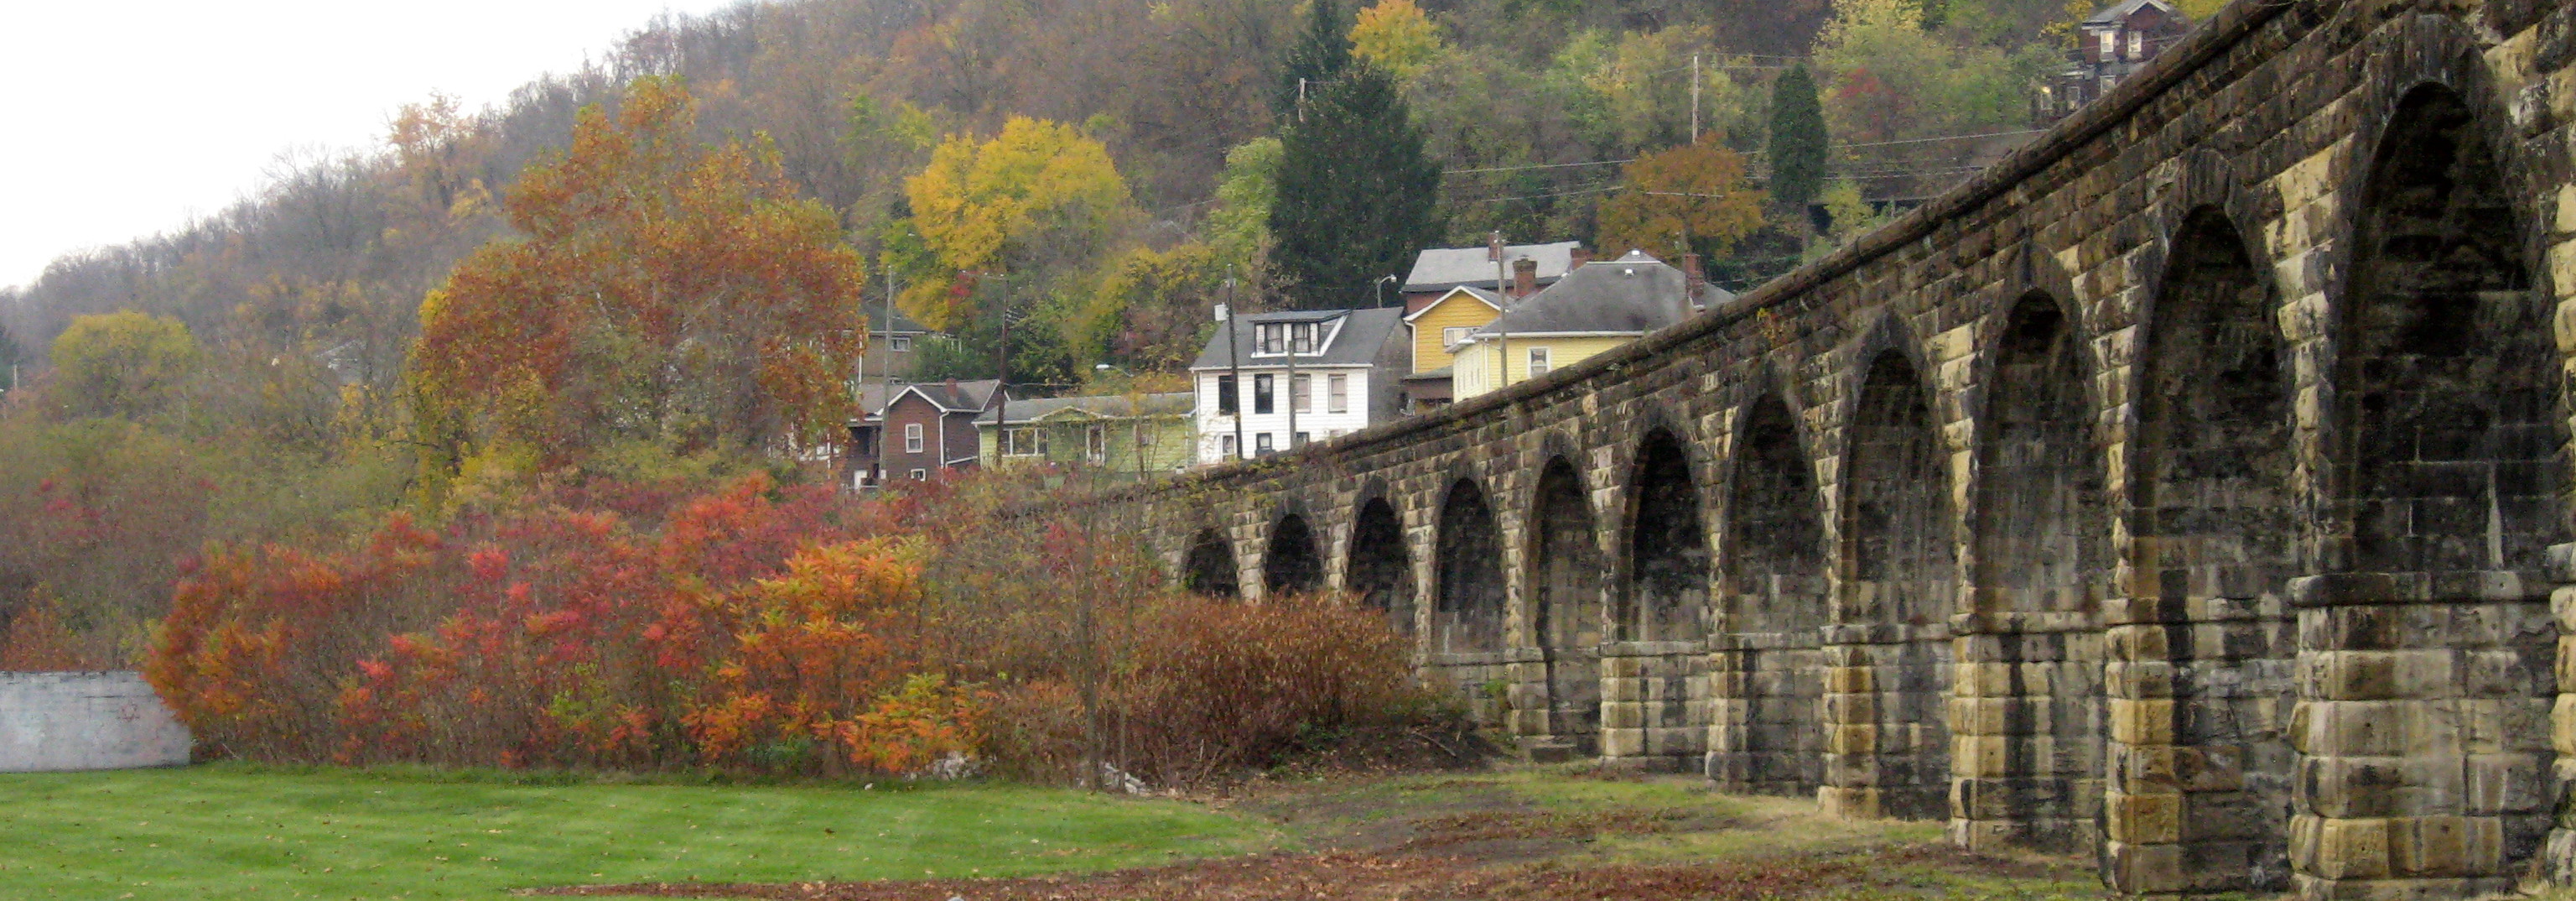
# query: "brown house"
923,432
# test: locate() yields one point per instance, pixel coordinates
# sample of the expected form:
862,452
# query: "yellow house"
1598,306
1435,327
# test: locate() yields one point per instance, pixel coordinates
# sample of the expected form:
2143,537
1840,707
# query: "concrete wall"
2189,485
85,721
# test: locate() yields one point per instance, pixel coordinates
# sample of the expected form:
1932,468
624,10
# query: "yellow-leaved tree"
1679,197
1397,37
1040,195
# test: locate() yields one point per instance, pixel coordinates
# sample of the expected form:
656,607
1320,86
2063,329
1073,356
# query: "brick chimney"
1577,257
1524,277
1692,278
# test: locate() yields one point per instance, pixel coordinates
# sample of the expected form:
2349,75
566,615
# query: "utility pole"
1002,381
889,363
1694,98
1234,367
1502,333
1301,98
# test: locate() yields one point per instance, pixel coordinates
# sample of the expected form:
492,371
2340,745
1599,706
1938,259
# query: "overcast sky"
121,119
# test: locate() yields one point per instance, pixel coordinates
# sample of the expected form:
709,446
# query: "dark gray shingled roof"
1635,293
1443,268
1357,343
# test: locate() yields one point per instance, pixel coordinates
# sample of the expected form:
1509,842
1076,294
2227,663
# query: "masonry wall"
2187,487
85,721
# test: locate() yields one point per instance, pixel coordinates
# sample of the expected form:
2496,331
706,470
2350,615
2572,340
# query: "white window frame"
1022,441
1226,442
1095,442
1539,362
1301,393
2137,45
912,438
901,344
1337,393
1264,387
1269,338
1449,337
1262,445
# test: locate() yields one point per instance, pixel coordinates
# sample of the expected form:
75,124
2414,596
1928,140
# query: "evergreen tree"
1798,143
9,360
1320,56
1357,194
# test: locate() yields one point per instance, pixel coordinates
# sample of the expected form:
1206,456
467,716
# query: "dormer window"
1275,338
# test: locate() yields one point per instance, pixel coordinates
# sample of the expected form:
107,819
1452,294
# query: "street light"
1380,285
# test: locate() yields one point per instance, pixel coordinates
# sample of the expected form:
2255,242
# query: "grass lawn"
234,832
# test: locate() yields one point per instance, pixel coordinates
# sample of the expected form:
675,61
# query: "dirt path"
1538,835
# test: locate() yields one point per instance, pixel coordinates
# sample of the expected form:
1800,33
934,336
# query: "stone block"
2142,721
2143,819
2351,849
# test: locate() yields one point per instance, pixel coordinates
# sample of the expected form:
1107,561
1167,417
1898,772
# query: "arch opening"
2447,478
1292,565
1900,572
2211,527
1767,667
1380,571
1469,615
1209,570
1566,568
1668,556
2042,532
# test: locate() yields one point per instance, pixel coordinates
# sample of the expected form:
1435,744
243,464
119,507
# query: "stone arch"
2041,530
1380,572
1293,564
1668,556
1468,563
1764,658
2212,525
1566,585
1899,573
1209,568
2445,481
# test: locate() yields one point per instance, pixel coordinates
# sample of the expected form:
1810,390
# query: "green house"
1125,435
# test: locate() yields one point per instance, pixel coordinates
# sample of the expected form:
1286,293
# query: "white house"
1268,382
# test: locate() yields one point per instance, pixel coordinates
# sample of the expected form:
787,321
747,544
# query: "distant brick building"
2111,45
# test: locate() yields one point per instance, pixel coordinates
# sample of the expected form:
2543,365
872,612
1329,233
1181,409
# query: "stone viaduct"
2190,488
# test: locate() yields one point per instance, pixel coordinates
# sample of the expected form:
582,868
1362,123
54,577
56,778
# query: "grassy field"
229,832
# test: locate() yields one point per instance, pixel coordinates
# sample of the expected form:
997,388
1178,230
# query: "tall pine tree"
1319,57
1357,194
1798,144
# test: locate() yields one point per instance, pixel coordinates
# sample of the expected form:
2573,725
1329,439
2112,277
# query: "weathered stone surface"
2186,484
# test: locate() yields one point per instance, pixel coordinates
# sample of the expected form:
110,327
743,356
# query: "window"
1301,393
1261,444
1144,436
1261,394
901,344
1227,404
1095,443
1337,394
1449,337
1300,440
1278,337
2109,45
1023,442
1270,342
1538,362
912,439
1302,335
1227,442
2137,45
921,475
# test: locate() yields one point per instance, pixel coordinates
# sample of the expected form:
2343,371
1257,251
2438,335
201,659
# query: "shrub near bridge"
760,629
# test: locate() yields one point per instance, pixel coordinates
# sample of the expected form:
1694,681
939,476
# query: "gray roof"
1105,406
1632,294
1443,268
952,397
2116,13
903,325
1356,344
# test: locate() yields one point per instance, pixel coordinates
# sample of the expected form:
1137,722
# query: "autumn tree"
1357,197
1681,200
1239,227
1038,198
1397,37
125,364
659,289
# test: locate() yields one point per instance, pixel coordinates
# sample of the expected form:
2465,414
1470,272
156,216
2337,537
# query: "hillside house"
1280,380
1438,270
1432,330
1118,434
1598,306
2112,44
923,432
